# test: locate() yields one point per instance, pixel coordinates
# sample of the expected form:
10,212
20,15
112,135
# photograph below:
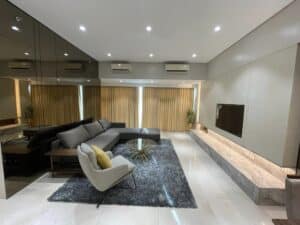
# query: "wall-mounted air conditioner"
121,67
177,67
19,65
72,66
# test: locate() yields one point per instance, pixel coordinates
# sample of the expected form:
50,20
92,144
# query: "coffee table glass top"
140,148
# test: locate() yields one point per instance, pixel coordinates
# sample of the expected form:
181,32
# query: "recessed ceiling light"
15,28
151,55
26,53
58,79
148,28
194,55
82,28
217,28
66,54
109,54
88,80
119,64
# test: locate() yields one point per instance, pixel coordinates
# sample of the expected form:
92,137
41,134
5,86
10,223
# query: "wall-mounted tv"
230,117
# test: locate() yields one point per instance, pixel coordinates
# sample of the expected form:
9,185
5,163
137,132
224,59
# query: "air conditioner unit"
121,67
19,65
73,66
177,67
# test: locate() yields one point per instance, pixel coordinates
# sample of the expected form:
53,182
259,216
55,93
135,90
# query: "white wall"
265,88
198,71
261,71
2,180
293,135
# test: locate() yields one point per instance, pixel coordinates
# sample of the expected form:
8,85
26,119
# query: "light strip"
18,100
80,102
140,106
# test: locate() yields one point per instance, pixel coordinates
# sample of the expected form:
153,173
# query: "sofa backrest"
44,137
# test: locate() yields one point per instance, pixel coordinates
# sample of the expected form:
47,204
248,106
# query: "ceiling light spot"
148,28
82,28
109,54
151,55
15,28
217,28
26,53
194,55
88,80
66,54
121,81
58,79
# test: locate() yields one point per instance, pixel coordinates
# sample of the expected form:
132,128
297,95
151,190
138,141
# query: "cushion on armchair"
103,159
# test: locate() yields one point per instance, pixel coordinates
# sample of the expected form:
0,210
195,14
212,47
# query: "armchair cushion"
103,159
119,160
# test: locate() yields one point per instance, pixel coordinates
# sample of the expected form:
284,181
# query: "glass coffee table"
140,148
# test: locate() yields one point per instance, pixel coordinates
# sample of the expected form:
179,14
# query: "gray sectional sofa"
103,134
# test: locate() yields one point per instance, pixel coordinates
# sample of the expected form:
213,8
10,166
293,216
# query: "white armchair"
103,179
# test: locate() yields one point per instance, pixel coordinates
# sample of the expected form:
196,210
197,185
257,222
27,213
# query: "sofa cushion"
105,124
106,140
72,138
91,154
126,133
150,133
103,159
93,128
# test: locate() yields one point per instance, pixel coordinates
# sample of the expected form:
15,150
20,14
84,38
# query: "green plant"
191,116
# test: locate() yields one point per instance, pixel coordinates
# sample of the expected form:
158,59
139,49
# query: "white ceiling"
180,27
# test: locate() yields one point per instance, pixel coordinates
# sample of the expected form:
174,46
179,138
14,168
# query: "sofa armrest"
118,125
293,177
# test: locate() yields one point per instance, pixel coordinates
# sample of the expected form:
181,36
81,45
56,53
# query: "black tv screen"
230,118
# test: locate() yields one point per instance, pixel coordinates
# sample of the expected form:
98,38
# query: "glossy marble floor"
220,201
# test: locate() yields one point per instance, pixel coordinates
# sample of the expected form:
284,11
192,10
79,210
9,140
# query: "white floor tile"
220,201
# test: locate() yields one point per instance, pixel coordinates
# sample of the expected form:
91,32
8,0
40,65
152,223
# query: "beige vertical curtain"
92,101
119,104
54,105
166,108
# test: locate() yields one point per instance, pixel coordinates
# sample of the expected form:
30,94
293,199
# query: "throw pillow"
74,137
93,129
105,124
103,159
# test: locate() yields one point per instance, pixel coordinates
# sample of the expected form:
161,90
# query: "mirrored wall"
45,81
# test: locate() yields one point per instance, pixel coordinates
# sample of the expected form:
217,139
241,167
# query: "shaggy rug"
158,181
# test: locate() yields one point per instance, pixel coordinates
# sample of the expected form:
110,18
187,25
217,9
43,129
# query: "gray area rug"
159,181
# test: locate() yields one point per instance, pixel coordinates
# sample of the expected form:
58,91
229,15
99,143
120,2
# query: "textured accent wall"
54,105
92,101
166,108
119,104
7,99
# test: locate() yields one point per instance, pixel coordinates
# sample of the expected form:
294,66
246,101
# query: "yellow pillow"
103,159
